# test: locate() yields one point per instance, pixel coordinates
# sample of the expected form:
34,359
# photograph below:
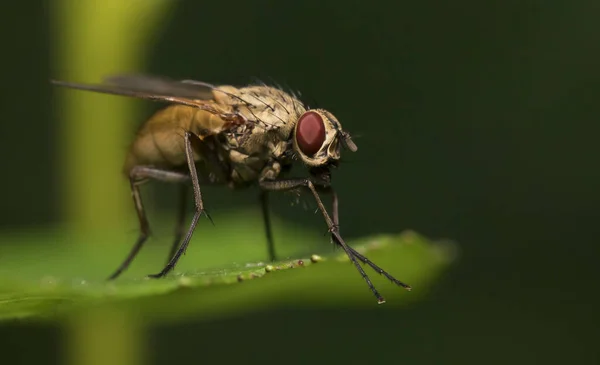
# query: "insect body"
229,136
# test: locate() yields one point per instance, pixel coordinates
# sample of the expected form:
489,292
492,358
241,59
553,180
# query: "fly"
225,135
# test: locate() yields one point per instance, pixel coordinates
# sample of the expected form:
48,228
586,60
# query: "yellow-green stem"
92,39
104,336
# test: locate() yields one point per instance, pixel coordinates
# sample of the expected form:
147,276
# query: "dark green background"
477,121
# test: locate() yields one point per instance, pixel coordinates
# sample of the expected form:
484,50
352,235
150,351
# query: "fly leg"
137,176
189,153
282,185
180,224
264,202
220,172
336,223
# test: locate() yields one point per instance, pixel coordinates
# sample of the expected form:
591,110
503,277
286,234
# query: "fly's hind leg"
137,176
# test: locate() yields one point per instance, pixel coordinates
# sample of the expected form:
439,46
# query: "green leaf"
50,275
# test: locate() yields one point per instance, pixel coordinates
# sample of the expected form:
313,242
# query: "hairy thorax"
244,148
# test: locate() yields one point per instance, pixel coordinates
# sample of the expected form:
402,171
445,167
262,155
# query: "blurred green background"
475,121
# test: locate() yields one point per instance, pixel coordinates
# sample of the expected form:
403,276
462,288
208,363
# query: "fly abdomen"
160,141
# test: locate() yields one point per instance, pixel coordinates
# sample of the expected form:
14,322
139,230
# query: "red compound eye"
310,133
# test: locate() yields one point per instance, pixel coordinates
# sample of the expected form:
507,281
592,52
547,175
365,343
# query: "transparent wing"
186,92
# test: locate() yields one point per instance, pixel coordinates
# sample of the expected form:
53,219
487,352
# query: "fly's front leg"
336,222
137,176
189,153
334,205
282,185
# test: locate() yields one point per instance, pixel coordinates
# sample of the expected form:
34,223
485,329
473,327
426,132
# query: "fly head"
317,138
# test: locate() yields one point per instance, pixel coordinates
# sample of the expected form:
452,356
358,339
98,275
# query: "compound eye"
310,133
